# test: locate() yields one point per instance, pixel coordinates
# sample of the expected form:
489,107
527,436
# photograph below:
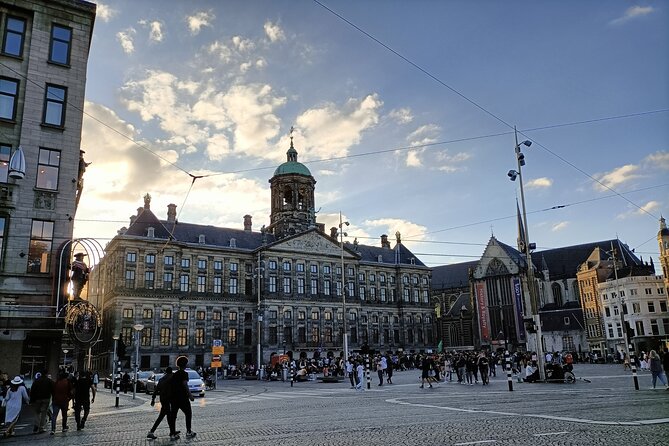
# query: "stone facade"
45,48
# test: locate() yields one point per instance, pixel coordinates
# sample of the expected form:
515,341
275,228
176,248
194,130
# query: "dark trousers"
185,408
351,376
55,408
380,373
165,411
78,405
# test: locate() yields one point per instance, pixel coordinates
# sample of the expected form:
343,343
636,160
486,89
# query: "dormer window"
200,239
151,232
233,243
380,258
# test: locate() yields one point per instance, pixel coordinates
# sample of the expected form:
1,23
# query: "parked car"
195,383
142,377
152,382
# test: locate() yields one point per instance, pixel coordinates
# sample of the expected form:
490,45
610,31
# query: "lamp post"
65,358
520,158
138,328
113,363
343,290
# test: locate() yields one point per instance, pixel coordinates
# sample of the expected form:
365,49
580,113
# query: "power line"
474,103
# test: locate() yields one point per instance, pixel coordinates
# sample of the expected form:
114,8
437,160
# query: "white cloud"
646,209
451,163
560,226
425,134
408,230
274,32
401,115
633,12
328,131
261,63
327,173
126,40
156,34
658,160
537,183
616,177
105,12
243,45
413,158
199,20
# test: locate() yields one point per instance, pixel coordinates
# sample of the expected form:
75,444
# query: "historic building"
185,285
452,301
44,55
663,243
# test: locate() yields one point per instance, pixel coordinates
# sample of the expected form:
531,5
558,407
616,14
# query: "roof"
563,262
518,257
388,255
555,320
452,276
292,166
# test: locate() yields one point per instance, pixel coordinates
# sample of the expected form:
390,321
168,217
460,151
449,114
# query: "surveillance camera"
512,175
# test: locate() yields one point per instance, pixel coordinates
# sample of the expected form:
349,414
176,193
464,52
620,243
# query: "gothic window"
557,294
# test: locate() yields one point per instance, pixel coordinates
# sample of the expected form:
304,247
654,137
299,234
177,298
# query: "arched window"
557,294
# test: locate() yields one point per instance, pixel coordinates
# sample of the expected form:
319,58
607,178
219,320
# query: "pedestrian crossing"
244,398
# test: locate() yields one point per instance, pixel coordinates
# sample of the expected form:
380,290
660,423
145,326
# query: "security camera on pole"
513,174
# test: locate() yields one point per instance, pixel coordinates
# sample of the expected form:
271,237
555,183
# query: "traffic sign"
218,350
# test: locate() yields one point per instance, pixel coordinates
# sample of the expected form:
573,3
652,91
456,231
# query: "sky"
402,110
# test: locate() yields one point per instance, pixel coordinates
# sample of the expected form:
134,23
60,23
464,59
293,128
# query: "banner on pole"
484,323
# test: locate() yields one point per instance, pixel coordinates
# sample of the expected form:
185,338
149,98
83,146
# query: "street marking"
547,417
476,442
551,433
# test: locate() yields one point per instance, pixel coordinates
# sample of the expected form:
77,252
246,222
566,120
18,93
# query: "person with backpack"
164,391
181,398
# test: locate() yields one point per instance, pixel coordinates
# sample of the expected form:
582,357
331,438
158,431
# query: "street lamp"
513,174
65,358
138,328
113,362
259,318
343,291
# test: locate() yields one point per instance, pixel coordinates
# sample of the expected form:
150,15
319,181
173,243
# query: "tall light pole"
259,318
343,290
520,158
113,362
65,358
138,328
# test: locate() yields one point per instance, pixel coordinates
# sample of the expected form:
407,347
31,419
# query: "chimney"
248,225
171,212
333,233
384,241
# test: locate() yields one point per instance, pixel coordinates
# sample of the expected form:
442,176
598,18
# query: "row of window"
166,313
14,37
48,167
55,99
317,336
633,292
636,308
185,262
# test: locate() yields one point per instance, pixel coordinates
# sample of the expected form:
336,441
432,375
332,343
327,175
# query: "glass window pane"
55,93
47,177
59,52
54,113
61,33
8,86
14,24
13,44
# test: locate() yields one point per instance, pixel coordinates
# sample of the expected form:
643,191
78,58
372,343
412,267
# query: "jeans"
660,375
165,411
55,408
185,408
41,408
78,405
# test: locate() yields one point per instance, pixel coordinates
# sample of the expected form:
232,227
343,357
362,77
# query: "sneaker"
66,428
174,437
83,423
190,434
52,433
151,436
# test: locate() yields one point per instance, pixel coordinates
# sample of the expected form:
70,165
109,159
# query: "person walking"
655,366
13,401
360,377
83,387
164,391
181,398
40,397
665,363
389,370
350,372
426,366
483,365
379,370
60,400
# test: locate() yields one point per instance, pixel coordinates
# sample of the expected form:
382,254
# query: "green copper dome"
291,166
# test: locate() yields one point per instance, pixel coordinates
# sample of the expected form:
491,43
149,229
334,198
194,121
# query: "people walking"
389,370
426,367
62,392
164,391
83,387
483,365
13,401
360,377
350,372
181,398
40,397
655,366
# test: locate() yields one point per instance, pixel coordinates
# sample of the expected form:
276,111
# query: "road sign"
216,361
217,343
218,350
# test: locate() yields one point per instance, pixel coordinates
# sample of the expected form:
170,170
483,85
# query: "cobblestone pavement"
607,411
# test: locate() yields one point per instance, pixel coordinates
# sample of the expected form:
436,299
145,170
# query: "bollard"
633,364
507,359
292,374
117,381
225,373
369,379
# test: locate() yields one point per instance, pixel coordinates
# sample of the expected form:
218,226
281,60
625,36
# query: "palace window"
39,254
55,99
15,30
9,93
48,166
61,39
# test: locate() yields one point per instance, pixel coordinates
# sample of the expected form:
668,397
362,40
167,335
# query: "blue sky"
410,132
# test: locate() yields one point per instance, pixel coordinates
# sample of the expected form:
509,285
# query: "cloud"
425,134
631,13
125,38
413,158
616,177
658,160
199,20
451,163
155,29
537,183
329,131
274,32
646,209
243,45
401,115
409,231
105,12
560,226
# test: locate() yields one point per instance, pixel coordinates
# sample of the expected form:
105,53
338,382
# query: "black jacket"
41,389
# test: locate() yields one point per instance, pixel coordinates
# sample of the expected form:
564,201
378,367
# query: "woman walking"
13,401
655,365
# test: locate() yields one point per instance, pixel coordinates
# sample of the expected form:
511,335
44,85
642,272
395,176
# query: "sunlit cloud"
274,32
648,208
448,163
616,177
413,158
155,29
633,12
408,230
560,226
401,115
658,160
125,38
199,20
538,183
105,12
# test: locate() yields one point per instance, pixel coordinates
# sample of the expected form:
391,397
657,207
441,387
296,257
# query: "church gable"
495,261
312,242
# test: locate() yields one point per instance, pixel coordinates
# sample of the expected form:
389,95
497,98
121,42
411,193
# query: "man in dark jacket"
82,388
181,398
163,389
40,397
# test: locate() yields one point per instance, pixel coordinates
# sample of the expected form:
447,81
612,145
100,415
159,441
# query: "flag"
440,346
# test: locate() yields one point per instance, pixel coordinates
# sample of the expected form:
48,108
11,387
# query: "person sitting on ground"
531,373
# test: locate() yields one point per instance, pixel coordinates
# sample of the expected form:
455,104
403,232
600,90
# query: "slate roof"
563,262
247,240
452,276
456,308
554,320
518,257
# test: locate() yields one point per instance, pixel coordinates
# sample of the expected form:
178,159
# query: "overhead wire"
471,101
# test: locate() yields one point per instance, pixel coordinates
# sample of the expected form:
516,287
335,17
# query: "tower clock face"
84,323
